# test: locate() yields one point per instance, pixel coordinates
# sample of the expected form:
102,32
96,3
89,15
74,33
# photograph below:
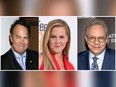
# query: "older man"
19,57
98,57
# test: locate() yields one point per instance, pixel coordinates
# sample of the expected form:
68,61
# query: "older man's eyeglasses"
93,39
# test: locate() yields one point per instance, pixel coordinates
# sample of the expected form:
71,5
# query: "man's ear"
86,38
10,37
107,40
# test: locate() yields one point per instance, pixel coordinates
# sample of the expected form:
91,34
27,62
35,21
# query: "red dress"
67,64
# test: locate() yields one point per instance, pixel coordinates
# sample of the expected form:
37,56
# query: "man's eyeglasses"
93,39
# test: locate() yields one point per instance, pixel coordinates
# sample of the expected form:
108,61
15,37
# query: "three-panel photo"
57,43
57,51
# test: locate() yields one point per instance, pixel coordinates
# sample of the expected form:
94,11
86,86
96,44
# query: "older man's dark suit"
108,63
8,61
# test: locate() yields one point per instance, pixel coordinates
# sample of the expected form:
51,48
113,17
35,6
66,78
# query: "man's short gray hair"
96,22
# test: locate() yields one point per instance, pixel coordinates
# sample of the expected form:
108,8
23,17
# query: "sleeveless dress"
67,64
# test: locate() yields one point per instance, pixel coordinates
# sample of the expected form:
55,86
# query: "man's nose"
97,41
22,41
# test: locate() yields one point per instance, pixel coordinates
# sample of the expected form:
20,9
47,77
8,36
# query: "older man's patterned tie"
94,64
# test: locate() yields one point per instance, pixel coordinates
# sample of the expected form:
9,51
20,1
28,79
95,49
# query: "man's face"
20,39
96,39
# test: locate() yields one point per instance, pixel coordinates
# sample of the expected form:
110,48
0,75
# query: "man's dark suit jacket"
8,61
108,63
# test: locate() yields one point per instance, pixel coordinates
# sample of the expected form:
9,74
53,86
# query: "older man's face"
96,39
20,39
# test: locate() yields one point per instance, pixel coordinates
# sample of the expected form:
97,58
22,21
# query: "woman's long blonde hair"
48,62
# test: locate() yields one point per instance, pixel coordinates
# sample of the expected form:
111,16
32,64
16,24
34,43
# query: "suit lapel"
88,65
106,61
86,60
13,62
29,61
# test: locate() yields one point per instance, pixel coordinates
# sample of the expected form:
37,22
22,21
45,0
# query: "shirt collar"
100,56
17,55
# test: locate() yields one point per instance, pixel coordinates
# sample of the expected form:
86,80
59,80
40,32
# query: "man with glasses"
98,57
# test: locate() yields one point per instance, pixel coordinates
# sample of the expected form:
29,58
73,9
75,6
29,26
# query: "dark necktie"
94,64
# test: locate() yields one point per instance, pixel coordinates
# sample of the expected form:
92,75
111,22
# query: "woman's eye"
61,36
53,37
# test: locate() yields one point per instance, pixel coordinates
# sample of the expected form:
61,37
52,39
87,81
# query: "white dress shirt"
99,61
22,62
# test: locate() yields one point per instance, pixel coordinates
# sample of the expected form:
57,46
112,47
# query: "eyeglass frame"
97,38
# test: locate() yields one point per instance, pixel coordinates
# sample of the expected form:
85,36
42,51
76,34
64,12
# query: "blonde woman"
56,44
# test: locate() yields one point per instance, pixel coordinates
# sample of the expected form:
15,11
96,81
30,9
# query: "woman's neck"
59,56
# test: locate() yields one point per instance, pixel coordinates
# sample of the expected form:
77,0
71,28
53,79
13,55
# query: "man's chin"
21,52
97,53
